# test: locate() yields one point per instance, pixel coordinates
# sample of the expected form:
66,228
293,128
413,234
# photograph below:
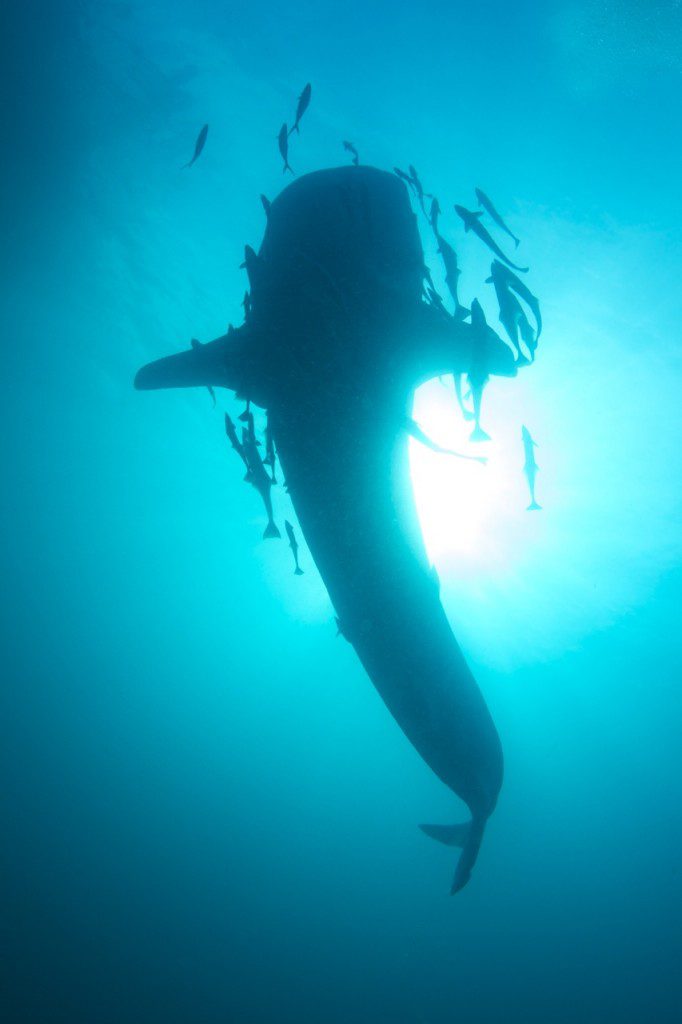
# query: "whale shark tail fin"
468,836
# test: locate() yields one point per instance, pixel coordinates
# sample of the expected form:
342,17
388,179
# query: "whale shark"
337,341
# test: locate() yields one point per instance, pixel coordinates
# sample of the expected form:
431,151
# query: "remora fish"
283,143
293,544
472,223
452,272
511,315
415,431
231,432
466,413
406,178
487,204
530,467
350,148
434,214
198,145
435,300
418,188
506,278
270,458
258,478
478,371
301,107
251,265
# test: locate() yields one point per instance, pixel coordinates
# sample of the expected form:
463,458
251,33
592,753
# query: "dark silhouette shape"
231,432
512,316
404,176
530,467
472,223
434,214
350,148
478,372
270,456
415,431
301,107
198,146
452,272
466,413
293,544
283,143
257,476
487,204
338,339
418,188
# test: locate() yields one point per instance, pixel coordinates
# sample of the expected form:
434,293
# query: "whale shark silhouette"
338,339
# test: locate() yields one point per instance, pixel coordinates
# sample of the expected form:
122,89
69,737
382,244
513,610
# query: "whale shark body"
338,339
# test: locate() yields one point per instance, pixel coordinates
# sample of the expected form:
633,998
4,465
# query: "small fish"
198,145
487,204
434,214
350,148
251,264
259,479
511,315
426,273
283,141
301,107
270,457
294,546
231,432
436,301
530,467
415,431
246,303
471,223
466,413
246,417
478,371
452,272
266,204
418,188
405,177
195,343
506,277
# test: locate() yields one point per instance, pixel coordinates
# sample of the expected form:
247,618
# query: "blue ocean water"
209,815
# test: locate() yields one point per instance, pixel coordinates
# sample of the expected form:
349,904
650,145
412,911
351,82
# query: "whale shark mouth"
336,339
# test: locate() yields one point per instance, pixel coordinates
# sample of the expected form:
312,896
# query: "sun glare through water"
472,513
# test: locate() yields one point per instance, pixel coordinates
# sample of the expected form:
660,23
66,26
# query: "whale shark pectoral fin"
468,836
216,364
449,835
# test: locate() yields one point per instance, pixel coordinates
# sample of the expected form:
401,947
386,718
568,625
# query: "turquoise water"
209,814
